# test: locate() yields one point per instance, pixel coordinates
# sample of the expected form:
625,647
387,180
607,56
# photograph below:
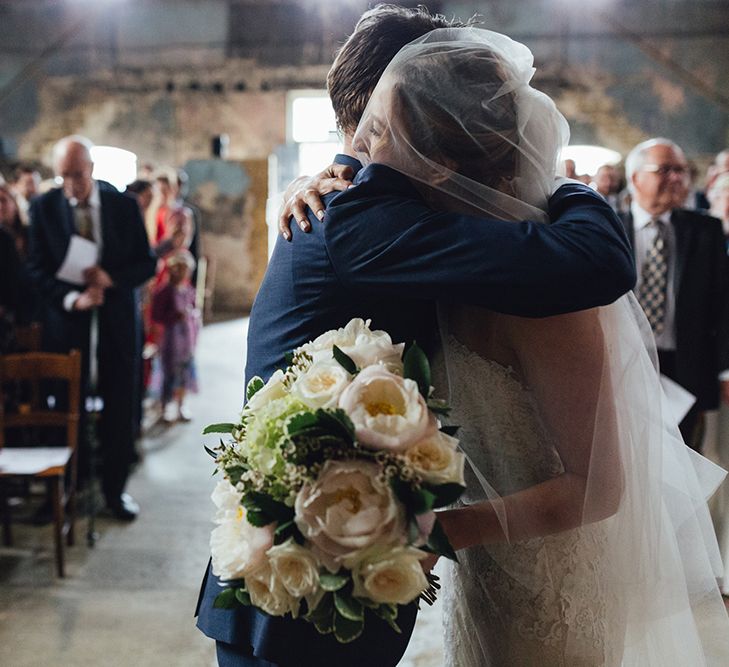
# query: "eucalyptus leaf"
211,452
346,630
255,384
345,361
224,427
422,501
333,582
348,606
416,367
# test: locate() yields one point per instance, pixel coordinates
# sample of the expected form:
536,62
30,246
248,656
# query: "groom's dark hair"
379,34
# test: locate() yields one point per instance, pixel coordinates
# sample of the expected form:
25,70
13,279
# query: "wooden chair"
23,409
29,337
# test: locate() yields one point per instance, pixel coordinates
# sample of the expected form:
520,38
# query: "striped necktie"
652,290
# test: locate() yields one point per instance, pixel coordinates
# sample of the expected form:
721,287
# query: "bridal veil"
455,112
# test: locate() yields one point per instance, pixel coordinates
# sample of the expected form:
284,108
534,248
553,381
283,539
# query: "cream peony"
268,592
358,341
391,577
387,410
321,385
237,547
348,509
296,568
437,459
272,390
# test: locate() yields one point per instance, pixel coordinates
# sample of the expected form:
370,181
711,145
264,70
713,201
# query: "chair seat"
34,460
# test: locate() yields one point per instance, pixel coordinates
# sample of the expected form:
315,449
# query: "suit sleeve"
40,263
721,297
379,239
143,262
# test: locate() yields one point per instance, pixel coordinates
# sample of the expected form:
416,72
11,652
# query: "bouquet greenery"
330,479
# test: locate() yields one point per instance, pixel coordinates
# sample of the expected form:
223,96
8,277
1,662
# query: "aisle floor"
129,601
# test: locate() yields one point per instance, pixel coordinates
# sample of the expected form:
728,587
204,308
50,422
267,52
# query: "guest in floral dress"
173,306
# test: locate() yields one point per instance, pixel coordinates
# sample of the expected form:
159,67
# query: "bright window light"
312,119
588,159
115,165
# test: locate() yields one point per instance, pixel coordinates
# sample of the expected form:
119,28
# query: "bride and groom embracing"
583,537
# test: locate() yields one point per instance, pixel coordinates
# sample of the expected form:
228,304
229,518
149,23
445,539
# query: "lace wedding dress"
539,602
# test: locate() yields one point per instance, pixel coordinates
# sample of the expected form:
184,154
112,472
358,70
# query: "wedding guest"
25,187
181,193
97,211
173,306
28,303
607,183
163,198
570,169
143,192
683,277
718,196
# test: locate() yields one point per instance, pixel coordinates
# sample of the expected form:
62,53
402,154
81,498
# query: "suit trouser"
234,656
667,361
117,386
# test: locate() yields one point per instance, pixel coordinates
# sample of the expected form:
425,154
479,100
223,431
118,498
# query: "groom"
382,254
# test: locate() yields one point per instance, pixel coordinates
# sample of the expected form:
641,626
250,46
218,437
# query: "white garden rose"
437,460
387,410
390,577
272,390
321,385
237,547
364,346
296,567
348,509
268,592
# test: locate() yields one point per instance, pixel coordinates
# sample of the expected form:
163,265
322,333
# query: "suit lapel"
627,219
682,233
106,227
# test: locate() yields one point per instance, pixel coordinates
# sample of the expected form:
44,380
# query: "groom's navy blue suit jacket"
381,253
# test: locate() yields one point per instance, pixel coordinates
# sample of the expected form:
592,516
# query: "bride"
583,538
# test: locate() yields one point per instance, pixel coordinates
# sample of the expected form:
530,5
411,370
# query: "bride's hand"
305,191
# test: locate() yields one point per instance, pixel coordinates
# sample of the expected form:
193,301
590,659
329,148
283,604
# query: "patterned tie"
652,291
83,221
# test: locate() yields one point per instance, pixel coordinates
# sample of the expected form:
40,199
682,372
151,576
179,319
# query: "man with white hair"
98,212
683,276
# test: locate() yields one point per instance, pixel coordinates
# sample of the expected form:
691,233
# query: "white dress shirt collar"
641,217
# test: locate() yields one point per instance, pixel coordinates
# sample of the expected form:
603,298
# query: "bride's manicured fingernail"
304,224
320,215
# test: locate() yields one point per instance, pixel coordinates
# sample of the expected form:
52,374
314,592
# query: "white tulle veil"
455,112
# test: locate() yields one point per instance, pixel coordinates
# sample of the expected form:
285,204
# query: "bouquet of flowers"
330,479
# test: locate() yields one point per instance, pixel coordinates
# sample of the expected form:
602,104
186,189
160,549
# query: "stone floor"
129,601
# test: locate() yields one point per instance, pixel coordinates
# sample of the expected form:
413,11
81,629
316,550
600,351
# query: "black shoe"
124,508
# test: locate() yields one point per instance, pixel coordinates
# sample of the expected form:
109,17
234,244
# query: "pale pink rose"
387,410
347,510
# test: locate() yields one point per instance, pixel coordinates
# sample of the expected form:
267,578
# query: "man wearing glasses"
683,277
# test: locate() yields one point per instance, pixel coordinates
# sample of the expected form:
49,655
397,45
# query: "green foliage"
226,599
388,613
438,542
450,430
438,406
261,509
346,630
254,385
345,361
211,452
242,596
323,616
348,606
445,494
333,582
417,368
219,428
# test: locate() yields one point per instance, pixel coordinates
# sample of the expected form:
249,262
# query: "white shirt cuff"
70,299
724,375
